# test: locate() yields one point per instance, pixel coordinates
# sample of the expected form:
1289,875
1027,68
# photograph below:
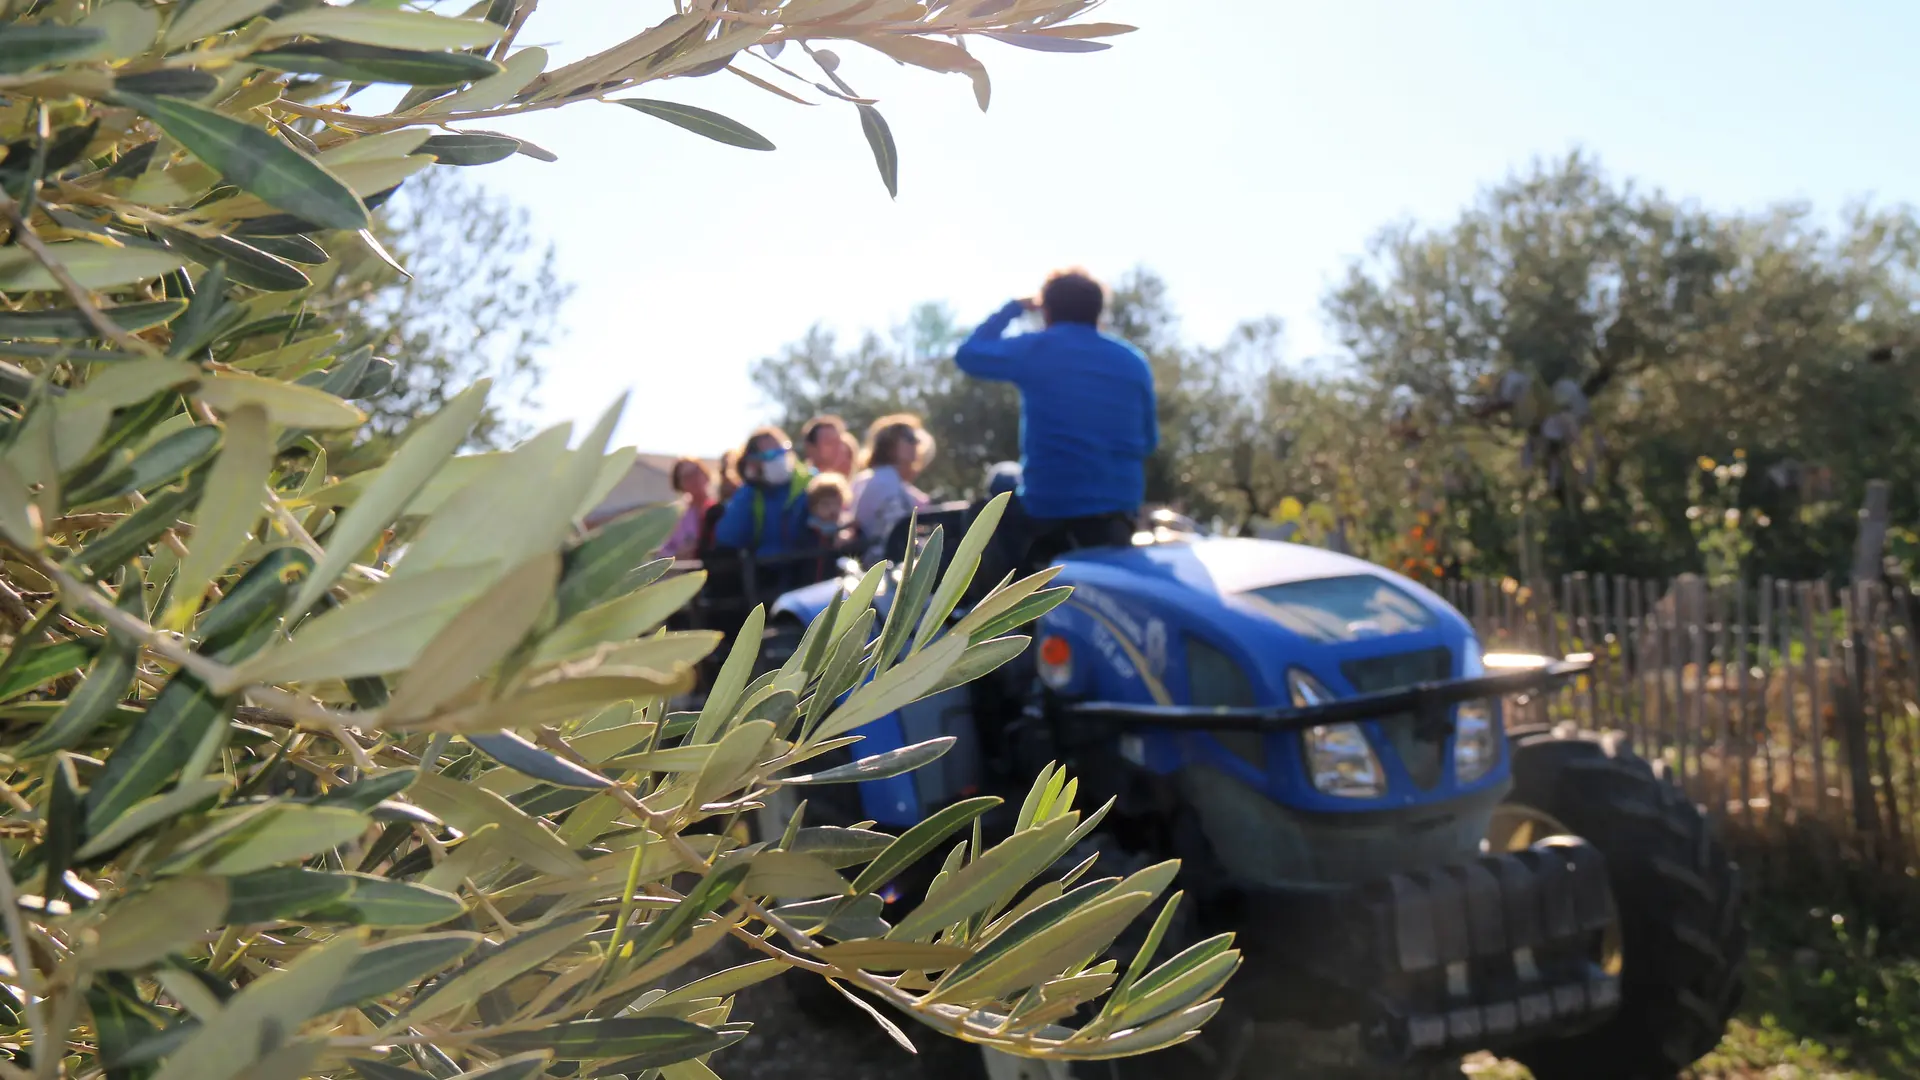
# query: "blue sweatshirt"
1087,413
777,527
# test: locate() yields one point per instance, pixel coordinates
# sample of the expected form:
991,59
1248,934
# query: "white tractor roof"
1229,565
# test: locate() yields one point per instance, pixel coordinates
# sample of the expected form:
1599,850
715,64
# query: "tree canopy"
479,297
1578,373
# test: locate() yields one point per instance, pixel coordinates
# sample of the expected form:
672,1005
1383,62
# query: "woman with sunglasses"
898,448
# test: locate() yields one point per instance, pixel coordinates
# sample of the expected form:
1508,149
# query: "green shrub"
375,775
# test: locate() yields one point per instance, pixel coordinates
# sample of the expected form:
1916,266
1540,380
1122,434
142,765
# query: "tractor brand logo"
1114,613
1156,648
1109,647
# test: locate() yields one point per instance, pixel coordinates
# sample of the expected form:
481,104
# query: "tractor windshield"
1339,609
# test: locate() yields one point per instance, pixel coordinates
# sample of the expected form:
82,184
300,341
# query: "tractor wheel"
1682,944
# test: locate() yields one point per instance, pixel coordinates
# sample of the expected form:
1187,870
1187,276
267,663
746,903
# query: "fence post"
1851,709
1688,593
1870,544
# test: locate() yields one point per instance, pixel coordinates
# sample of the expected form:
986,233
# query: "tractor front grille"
1424,758
1376,674
1263,843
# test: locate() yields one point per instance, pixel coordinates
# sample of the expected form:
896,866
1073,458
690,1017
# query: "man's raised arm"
988,353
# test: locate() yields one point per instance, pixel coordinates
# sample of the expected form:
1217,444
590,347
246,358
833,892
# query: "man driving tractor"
1088,420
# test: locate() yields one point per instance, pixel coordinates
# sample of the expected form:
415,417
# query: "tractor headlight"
1476,739
1339,758
1476,744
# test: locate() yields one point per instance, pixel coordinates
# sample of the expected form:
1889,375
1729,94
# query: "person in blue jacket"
768,515
1088,417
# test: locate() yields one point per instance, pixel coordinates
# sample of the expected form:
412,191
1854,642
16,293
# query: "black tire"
1678,898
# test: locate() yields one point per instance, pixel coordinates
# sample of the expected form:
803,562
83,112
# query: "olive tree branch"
82,299
169,646
803,943
22,959
13,605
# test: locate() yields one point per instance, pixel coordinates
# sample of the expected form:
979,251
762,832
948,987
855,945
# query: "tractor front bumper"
1490,954
1427,700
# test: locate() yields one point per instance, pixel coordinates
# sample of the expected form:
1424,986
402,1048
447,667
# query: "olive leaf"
373,26
203,17
162,920
377,63
886,156
228,513
701,122
60,324
23,47
94,266
257,162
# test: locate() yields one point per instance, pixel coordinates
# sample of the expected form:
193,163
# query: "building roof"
648,482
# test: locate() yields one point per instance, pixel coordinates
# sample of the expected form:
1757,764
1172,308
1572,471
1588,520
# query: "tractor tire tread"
1679,900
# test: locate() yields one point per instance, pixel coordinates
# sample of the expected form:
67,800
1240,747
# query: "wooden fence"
1783,708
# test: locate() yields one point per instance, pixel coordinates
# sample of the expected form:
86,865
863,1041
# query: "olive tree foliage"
376,775
480,297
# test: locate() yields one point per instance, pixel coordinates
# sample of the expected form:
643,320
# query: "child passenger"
827,527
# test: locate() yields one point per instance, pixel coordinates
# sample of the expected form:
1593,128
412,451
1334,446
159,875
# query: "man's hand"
1028,303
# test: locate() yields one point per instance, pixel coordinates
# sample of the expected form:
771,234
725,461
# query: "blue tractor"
1322,743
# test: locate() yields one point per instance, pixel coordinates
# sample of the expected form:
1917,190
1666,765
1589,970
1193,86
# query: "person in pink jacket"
690,478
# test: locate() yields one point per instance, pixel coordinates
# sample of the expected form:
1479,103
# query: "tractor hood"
1241,578
1229,566
1287,598
1218,627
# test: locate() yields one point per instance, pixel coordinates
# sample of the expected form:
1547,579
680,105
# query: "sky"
1246,150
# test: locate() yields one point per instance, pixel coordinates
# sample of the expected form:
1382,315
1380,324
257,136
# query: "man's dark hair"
1072,296
810,434
771,432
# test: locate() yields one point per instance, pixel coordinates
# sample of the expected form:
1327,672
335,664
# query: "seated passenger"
898,448
767,517
850,449
1002,478
823,443
828,531
710,518
690,478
